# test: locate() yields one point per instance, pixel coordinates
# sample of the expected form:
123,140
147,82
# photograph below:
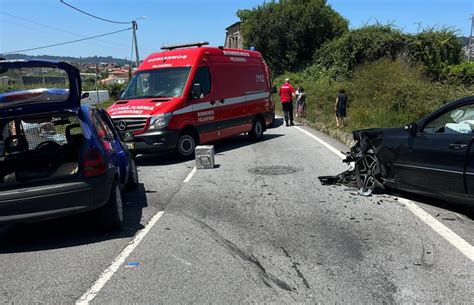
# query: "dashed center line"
458,242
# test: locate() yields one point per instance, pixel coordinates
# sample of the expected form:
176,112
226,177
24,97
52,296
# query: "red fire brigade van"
191,94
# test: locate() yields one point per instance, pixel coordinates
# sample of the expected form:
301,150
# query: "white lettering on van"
238,59
236,53
162,66
173,57
205,113
260,78
205,116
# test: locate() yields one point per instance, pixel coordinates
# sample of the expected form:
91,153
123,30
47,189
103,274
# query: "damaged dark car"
434,156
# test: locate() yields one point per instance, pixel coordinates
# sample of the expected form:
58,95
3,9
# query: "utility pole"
471,42
135,27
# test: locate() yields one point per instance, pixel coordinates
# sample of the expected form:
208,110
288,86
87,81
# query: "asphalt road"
257,228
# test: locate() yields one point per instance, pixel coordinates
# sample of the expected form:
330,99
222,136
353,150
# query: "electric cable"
93,16
67,42
53,28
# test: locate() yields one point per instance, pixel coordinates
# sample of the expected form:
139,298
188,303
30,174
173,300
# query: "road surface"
257,228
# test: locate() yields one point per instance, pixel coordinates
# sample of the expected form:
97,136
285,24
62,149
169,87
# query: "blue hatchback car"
57,157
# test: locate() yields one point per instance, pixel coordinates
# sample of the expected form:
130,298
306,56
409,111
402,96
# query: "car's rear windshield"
30,85
168,82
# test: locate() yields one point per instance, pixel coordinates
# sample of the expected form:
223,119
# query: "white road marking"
323,143
190,175
459,243
87,297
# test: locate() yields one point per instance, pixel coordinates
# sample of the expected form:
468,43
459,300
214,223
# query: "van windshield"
167,82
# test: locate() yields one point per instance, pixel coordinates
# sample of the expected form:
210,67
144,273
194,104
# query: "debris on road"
132,265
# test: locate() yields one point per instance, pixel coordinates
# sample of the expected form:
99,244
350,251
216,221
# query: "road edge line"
455,240
107,274
458,242
322,142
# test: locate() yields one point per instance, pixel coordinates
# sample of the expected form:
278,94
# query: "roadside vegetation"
391,77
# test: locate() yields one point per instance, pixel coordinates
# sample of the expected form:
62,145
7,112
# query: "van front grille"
130,124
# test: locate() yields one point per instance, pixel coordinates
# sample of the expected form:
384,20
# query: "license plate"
130,145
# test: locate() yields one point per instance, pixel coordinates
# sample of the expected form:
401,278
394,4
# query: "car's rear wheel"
111,214
256,133
132,175
186,145
366,170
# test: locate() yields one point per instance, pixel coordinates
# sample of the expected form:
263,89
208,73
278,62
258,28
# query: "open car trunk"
39,148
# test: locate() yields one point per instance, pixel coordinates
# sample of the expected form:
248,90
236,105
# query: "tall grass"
385,93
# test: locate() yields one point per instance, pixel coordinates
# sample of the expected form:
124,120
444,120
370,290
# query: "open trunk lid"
36,86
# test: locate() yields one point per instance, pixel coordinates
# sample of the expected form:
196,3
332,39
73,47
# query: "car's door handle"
212,102
457,146
222,101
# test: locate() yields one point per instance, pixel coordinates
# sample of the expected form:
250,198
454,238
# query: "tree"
288,32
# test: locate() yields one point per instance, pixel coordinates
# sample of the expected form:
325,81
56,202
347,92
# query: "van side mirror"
196,91
412,129
274,89
84,95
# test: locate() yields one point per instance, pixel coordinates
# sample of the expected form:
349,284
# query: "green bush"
385,93
463,73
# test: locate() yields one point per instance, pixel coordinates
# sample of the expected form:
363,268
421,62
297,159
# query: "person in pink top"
287,93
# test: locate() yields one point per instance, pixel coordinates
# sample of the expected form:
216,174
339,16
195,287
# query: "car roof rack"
193,44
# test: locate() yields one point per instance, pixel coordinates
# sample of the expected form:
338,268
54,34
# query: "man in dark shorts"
287,93
340,108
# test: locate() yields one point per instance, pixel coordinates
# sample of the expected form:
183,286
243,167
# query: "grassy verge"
381,94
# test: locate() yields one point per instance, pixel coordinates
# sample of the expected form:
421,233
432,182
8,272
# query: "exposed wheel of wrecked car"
132,175
256,133
366,170
111,214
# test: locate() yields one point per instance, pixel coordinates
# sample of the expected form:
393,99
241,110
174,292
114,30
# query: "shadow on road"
73,230
465,209
221,146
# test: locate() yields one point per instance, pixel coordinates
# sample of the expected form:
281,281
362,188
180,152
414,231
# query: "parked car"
57,157
191,94
434,156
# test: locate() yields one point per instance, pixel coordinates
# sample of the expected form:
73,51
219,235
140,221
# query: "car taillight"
94,164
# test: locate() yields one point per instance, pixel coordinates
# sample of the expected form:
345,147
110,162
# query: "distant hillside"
80,60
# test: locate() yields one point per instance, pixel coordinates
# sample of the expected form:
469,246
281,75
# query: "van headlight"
160,121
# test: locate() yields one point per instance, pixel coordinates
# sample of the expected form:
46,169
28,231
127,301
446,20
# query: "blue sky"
33,23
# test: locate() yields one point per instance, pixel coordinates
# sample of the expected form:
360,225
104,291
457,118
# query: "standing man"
287,93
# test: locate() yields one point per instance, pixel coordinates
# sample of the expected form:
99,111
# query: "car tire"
256,133
111,214
186,145
133,179
366,171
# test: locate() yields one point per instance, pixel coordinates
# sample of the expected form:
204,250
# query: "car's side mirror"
274,89
411,128
196,91
84,95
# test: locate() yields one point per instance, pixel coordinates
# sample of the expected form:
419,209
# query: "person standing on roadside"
301,103
340,108
287,93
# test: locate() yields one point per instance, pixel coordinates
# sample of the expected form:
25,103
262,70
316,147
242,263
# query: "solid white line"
463,246
87,297
190,175
460,244
324,143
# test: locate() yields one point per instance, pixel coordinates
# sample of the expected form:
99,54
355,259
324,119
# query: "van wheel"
186,144
256,133
132,182
111,214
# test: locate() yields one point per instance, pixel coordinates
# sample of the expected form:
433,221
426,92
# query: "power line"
93,16
53,28
68,42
